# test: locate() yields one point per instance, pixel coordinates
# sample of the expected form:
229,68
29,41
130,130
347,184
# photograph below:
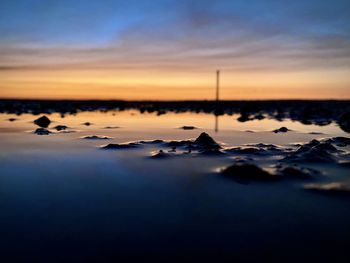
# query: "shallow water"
63,198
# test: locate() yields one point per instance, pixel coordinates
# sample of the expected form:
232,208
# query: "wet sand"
64,197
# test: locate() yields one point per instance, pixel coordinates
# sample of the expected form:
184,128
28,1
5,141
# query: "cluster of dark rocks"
44,122
204,144
289,161
307,112
244,169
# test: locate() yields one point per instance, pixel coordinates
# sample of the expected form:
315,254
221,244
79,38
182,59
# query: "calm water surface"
63,199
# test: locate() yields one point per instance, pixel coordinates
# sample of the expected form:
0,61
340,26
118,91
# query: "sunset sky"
170,49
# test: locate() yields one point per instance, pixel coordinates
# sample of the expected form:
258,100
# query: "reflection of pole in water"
217,85
217,100
216,123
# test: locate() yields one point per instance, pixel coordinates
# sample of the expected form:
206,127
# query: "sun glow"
161,85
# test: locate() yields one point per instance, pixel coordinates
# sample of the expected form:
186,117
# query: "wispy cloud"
238,35
175,36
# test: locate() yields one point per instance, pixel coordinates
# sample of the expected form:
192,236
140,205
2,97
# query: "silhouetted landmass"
319,112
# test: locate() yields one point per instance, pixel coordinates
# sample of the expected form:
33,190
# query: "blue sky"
323,25
178,35
101,22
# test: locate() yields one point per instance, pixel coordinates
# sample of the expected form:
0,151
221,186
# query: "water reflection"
122,195
134,120
216,123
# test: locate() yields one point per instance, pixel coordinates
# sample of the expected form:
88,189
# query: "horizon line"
155,100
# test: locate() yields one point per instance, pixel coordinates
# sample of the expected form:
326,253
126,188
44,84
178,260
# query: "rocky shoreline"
318,112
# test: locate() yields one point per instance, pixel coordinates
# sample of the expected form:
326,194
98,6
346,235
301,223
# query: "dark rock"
43,121
173,150
161,112
12,119
87,123
313,143
96,137
281,130
257,149
322,122
61,127
339,141
268,147
297,172
42,131
280,116
334,188
313,151
114,146
151,142
160,155
259,117
327,147
248,172
203,144
244,118
311,157
345,164
179,143
188,128
245,150
307,146
157,141
344,122
219,112
205,141
306,122
240,159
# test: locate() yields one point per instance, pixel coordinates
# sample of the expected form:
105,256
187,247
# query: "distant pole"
217,85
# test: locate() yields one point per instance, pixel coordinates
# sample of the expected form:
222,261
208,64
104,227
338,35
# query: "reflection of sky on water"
134,120
61,195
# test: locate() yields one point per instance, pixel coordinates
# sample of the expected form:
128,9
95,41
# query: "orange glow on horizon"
155,85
